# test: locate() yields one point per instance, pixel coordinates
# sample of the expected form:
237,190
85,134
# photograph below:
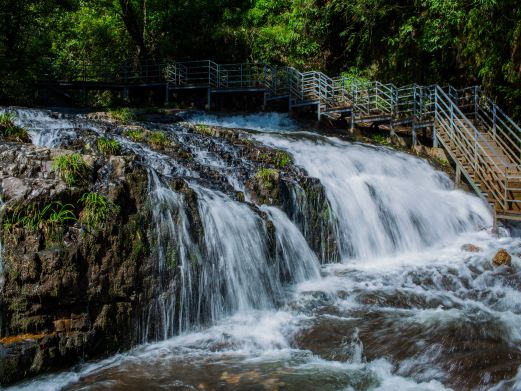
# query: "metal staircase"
482,140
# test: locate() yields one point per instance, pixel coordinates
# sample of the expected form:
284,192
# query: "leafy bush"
135,135
108,147
72,168
12,132
158,139
379,139
97,210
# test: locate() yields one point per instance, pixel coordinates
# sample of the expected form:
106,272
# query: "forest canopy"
462,42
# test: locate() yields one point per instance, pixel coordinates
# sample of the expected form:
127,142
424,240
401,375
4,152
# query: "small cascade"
263,122
174,250
240,262
384,202
45,129
241,270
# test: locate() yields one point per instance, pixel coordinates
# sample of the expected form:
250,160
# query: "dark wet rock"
470,248
502,258
59,282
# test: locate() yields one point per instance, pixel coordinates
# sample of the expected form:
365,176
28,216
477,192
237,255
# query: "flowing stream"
405,308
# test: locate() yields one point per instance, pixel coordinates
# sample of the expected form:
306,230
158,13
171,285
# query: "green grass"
158,139
379,139
135,135
72,168
267,177
282,159
34,216
108,147
12,132
123,114
97,210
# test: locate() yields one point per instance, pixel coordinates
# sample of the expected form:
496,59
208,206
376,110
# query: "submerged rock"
502,258
470,248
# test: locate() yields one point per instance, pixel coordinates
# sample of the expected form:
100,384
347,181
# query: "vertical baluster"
436,120
494,120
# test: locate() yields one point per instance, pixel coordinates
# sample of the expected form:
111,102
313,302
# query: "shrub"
379,139
135,135
12,132
158,139
108,147
97,210
72,168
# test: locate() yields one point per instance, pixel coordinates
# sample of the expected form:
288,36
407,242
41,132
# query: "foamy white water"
385,202
261,122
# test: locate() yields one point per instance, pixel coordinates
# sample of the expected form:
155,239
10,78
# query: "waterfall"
242,301
384,202
231,270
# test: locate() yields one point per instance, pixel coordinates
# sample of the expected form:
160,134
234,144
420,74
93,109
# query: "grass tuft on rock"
97,210
32,216
122,114
282,159
267,177
72,168
11,131
135,135
108,147
158,139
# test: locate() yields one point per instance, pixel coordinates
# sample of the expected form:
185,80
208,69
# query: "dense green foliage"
458,41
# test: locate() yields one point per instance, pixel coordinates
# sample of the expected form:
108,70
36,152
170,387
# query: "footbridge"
483,141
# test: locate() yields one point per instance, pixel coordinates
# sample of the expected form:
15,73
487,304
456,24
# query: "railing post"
452,124
476,102
494,120
475,149
436,119
505,202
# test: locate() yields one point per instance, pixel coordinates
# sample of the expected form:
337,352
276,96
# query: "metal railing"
147,71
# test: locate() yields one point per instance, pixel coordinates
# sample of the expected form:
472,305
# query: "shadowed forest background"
462,42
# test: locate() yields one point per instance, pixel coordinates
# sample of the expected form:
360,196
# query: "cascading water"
384,202
407,309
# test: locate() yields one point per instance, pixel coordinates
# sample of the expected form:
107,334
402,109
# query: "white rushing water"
384,202
407,309
266,122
